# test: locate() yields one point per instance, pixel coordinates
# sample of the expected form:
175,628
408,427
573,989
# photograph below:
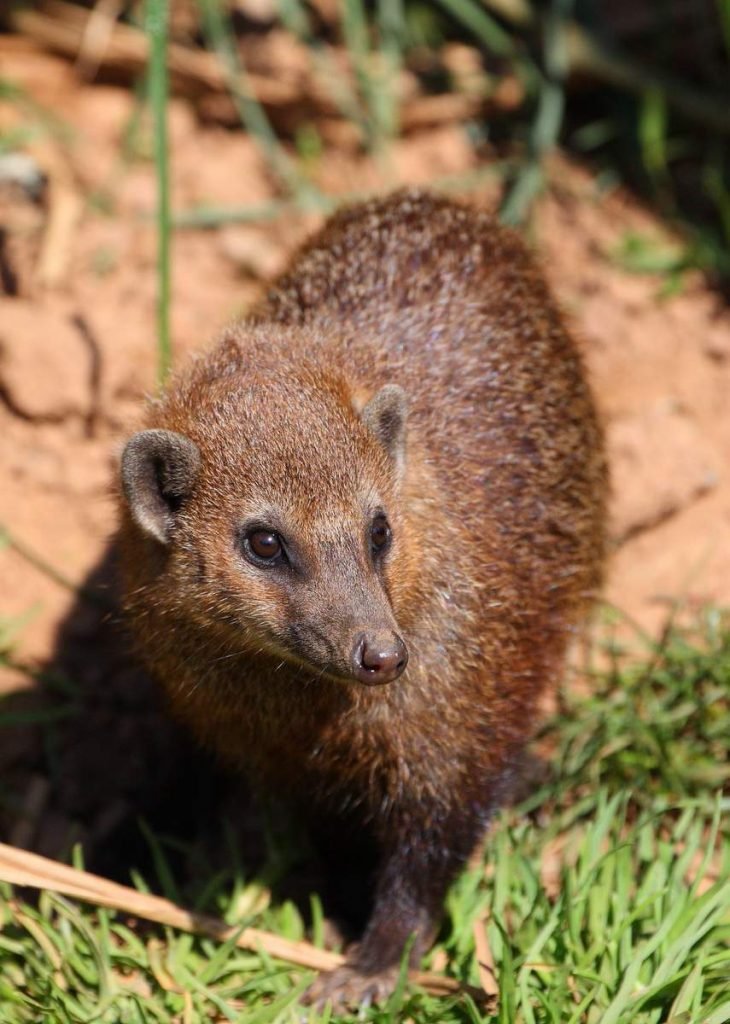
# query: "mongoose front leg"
411,884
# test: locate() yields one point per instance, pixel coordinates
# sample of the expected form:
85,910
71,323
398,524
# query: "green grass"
221,39
605,895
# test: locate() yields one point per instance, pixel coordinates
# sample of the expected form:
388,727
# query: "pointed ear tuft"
159,469
385,415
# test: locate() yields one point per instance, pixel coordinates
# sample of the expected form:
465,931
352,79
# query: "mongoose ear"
159,469
385,414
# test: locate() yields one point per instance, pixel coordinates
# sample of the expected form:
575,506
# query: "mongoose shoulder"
358,535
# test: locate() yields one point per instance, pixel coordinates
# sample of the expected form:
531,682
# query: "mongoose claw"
347,987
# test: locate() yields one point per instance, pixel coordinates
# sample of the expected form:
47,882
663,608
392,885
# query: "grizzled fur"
496,501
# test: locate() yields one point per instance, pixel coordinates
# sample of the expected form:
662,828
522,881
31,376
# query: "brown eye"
264,544
380,535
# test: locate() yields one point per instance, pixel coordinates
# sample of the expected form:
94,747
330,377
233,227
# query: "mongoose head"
268,510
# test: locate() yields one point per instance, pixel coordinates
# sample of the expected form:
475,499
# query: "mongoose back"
357,537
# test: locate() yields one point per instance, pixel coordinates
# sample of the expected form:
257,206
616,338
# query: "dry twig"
97,35
63,27
485,960
19,867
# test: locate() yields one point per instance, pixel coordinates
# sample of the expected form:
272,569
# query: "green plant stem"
375,69
296,19
488,31
208,217
545,129
253,116
391,30
156,23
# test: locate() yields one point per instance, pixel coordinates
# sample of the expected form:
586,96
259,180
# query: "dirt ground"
77,329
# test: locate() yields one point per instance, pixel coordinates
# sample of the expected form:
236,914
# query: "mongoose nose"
379,657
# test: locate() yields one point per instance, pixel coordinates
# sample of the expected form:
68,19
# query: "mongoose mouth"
376,660
373,662
377,656
366,677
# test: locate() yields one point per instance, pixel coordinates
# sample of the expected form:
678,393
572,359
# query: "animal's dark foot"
347,987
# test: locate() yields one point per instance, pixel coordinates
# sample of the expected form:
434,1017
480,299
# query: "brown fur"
498,540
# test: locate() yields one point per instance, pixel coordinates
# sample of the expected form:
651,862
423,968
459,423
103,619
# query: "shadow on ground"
90,753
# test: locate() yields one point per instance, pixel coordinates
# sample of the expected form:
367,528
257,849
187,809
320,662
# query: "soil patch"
77,328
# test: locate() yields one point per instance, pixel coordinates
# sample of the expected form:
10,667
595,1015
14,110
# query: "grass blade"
156,26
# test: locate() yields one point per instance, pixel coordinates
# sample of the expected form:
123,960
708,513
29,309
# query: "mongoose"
357,537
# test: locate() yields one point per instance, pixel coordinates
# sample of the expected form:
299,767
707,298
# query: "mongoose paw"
347,987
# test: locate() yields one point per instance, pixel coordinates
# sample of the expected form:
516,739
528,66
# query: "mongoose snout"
379,657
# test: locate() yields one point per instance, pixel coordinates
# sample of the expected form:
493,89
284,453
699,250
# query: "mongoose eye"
264,544
380,535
